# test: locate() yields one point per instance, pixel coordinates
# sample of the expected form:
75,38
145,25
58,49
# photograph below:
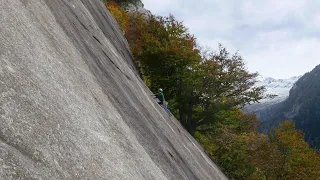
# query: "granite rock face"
137,7
72,105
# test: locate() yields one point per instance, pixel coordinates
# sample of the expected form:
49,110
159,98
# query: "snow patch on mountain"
278,87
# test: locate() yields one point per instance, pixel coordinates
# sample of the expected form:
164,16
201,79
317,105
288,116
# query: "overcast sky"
277,38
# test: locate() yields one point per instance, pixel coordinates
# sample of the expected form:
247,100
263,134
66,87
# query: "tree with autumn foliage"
230,143
297,159
119,14
243,153
198,87
285,155
165,51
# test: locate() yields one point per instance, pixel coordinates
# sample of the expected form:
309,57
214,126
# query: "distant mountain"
278,87
302,106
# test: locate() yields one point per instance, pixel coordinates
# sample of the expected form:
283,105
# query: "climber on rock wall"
162,102
160,96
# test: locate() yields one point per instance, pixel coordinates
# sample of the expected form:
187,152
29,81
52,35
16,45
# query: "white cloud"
277,38
259,11
284,58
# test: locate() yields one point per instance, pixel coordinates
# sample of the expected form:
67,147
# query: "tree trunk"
183,117
192,126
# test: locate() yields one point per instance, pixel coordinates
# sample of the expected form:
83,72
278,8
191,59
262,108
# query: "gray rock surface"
72,105
137,7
